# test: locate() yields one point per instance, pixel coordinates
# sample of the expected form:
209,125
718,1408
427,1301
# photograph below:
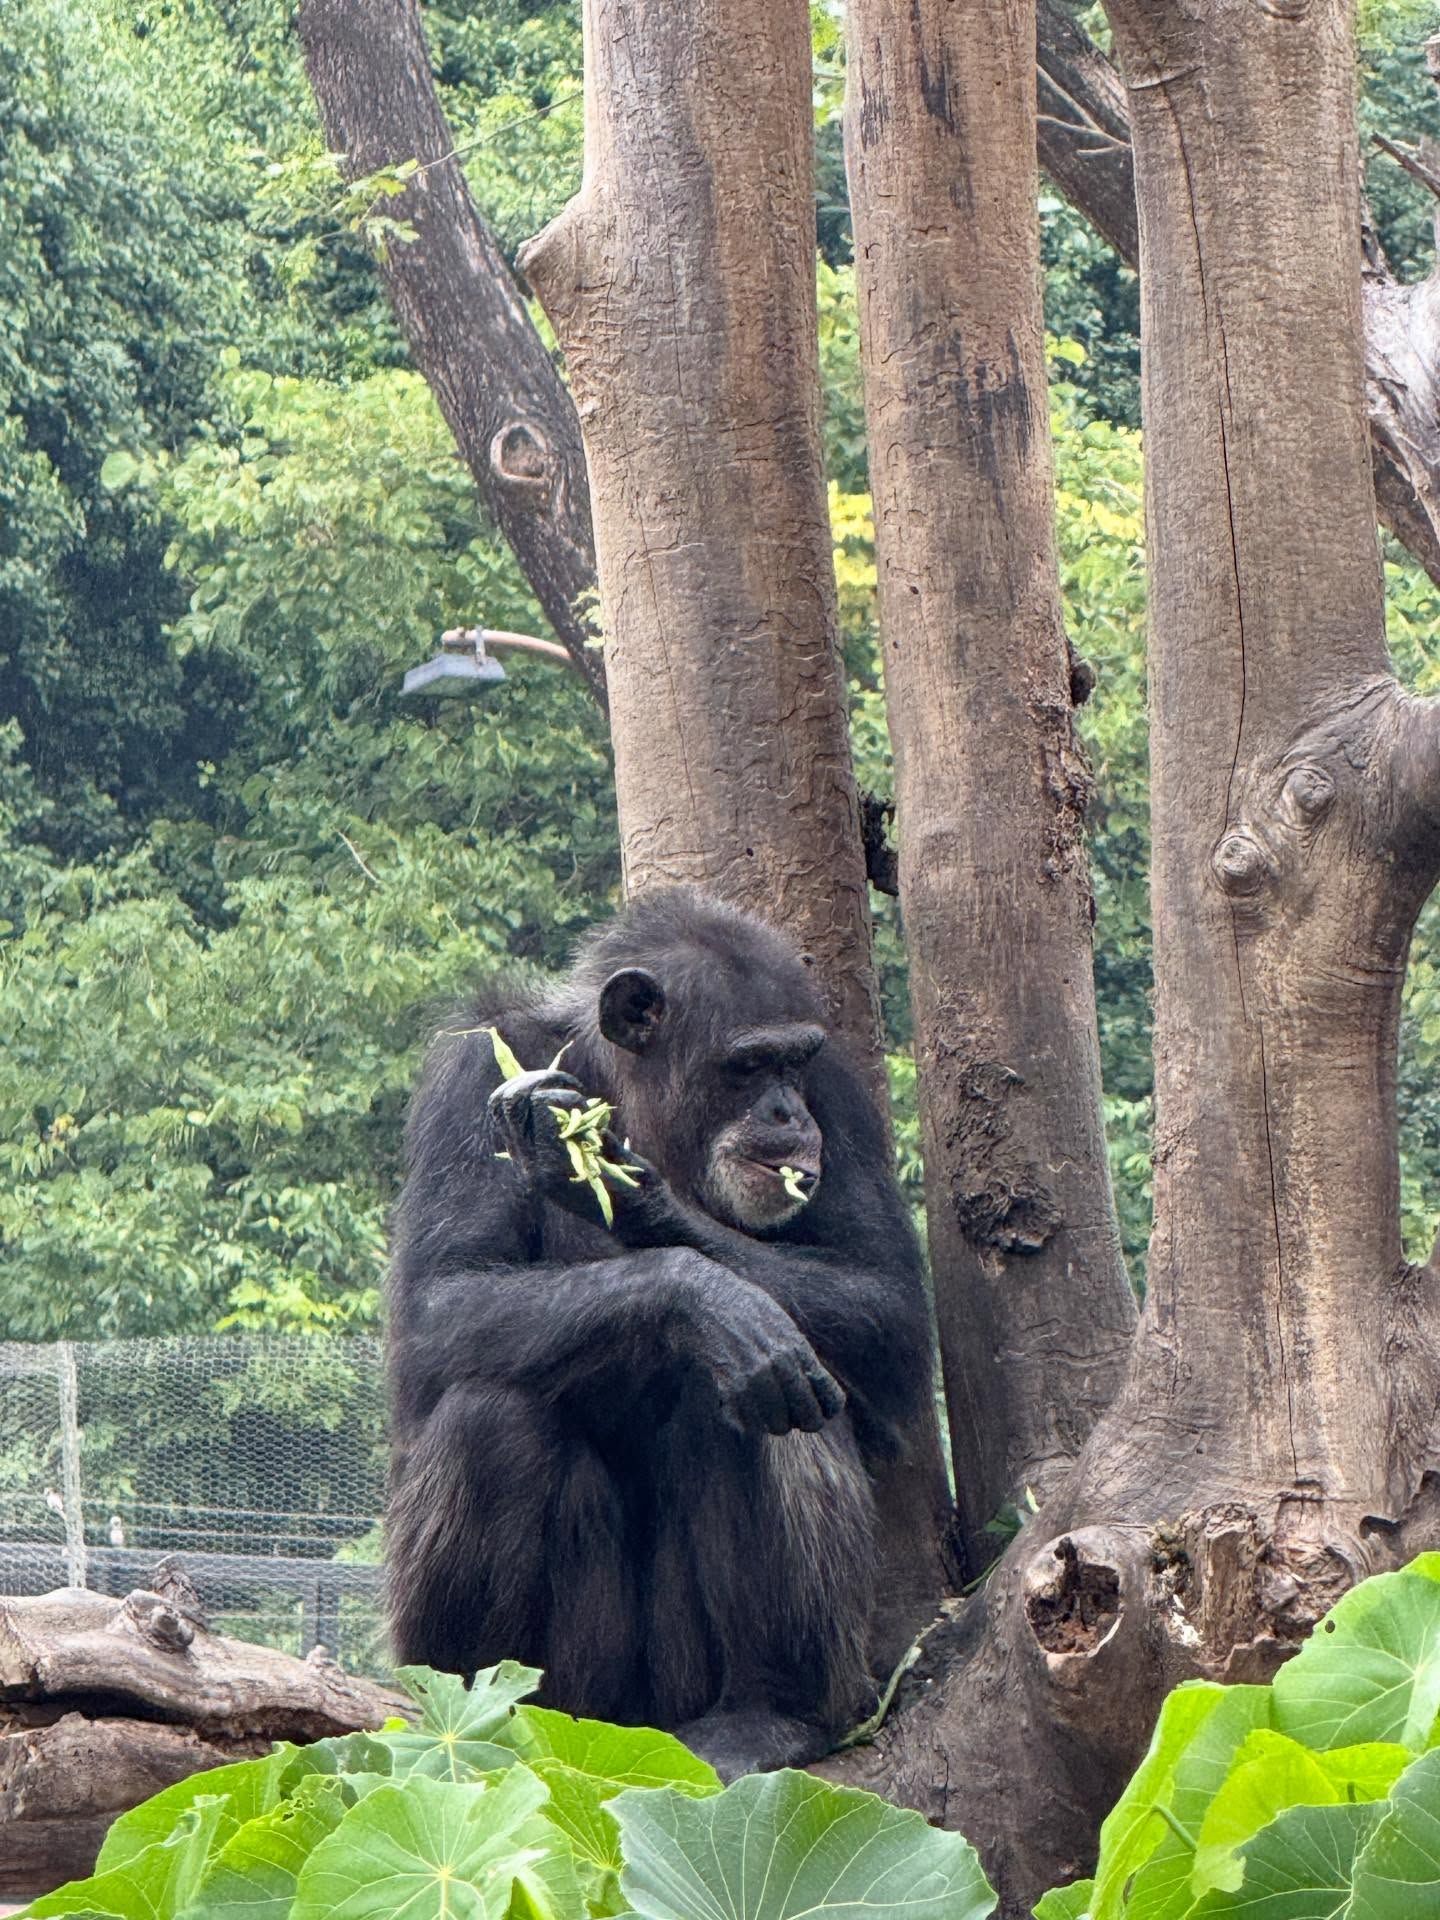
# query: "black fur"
622,1454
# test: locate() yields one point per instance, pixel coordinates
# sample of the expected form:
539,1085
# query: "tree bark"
1275,1436
1084,141
1034,1306
1083,128
458,305
681,285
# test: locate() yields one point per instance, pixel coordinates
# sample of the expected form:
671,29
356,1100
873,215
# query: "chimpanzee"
639,1455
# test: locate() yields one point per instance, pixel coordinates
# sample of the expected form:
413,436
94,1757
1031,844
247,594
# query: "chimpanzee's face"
763,1160
717,1100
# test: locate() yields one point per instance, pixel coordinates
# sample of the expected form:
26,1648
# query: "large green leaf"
1137,1824
779,1845
254,1875
1273,1772
629,1756
455,1738
1371,1669
243,1790
1397,1874
577,1808
427,1849
1066,1903
154,1884
1161,1890
585,1763
1298,1868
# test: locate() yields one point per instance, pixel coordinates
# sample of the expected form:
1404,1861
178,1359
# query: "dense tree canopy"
238,868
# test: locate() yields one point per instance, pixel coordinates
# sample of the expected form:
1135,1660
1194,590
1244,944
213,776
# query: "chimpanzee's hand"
529,1130
524,1109
765,1371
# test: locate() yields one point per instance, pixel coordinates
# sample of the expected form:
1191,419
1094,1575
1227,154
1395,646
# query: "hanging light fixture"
460,670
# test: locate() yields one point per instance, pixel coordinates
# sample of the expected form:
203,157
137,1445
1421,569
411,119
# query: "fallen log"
103,1702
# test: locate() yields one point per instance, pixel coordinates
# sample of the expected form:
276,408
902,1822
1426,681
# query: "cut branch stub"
1074,1606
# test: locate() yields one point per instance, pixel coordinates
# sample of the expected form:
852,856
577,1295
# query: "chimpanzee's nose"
782,1109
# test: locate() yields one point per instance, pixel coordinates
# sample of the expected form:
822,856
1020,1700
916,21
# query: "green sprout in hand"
582,1131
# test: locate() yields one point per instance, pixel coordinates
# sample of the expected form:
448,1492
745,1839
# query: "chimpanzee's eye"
748,1066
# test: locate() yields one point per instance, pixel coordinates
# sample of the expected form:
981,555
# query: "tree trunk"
1083,128
681,285
1084,142
1034,1306
1272,1440
458,304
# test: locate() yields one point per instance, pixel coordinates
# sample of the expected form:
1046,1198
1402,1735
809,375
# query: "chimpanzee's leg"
505,1540
780,1536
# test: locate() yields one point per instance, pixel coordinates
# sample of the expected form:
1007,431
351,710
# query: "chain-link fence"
257,1459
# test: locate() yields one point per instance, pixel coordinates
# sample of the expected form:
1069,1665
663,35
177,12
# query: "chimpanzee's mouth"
791,1173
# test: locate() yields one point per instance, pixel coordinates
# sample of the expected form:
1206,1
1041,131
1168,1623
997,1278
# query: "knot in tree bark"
520,459
1310,791
1241,863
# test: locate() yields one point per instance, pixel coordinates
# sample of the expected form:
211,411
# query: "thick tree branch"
1083,139
458,305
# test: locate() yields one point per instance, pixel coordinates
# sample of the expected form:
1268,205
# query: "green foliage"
488,1810
1251,1801
214,1032
1397,100
1316,1796
234,868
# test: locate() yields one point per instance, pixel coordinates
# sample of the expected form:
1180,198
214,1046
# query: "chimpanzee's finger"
542,1083
828,1391
801,1402
515,1100
761,1403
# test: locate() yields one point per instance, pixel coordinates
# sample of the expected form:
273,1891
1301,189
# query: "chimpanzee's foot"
753,1740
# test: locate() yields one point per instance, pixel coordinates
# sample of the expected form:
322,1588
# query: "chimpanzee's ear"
632,1005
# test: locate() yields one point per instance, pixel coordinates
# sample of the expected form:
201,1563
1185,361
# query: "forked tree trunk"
1034,1306
1084,142
459,307
681,285
1272,1441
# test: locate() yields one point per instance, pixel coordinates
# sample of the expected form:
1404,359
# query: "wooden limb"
458,304
63,1782
681,285
979,686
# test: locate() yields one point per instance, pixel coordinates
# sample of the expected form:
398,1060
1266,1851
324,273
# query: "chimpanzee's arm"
867,1319
593,1336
